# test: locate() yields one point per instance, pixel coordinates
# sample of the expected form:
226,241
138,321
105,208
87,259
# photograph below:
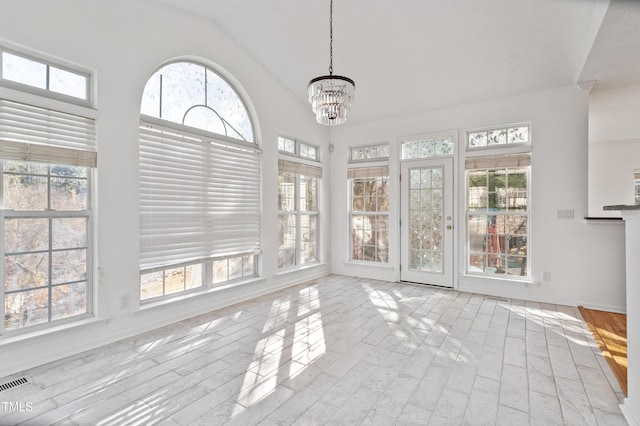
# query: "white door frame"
434,275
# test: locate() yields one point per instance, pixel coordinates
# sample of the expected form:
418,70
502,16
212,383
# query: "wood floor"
338,351
610,333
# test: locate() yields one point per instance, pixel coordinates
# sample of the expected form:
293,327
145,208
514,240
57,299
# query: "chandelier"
331,95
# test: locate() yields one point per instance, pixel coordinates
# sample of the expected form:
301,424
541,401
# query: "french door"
426,228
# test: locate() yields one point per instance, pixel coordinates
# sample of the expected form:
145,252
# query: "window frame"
298,144
192,129
353,213
51,214
298,213
508,147
484,157
46,92
23,143
377,146
207,279
207,276
451,135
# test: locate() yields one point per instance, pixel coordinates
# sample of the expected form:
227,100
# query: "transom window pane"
298,148
286,145
33,73
194,95
23,70
499,137
427,148
369,153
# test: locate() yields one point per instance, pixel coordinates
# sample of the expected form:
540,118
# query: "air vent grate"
14,384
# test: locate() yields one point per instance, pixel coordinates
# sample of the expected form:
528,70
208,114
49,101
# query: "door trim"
446,225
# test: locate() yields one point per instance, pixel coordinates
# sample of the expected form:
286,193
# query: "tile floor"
338,350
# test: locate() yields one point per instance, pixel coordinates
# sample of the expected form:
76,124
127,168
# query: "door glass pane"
426,211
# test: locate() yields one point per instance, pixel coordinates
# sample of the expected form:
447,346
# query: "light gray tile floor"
342,351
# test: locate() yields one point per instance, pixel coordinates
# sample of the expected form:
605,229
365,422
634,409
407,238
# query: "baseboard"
125,329
630,414
605,308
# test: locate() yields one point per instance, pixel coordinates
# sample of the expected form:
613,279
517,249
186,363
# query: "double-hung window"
368,176
200,187
47,158
498,203
298,215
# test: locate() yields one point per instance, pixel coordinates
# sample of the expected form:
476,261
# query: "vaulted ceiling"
411,56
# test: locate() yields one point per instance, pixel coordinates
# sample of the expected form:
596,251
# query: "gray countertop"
622,207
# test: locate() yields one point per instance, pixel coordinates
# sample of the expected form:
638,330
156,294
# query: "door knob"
449,227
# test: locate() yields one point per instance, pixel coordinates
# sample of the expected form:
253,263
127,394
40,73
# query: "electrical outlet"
546,276
125,302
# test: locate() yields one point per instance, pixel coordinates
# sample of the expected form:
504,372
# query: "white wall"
614,146
611,167
124,41
586,260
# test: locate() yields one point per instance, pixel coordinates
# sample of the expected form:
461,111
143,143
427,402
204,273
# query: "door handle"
449,227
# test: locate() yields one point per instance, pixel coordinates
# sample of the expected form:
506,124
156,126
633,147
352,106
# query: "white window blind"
30,133
294,167
199,197
498,161
368,172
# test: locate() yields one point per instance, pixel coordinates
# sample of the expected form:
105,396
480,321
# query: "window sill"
70,326
527,282
376,265
147,307
301,268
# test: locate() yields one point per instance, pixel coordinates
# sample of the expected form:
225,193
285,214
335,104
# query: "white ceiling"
411,56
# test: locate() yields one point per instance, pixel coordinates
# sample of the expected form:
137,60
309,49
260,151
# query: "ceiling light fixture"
331,95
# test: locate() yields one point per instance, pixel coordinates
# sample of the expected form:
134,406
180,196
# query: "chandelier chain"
331,37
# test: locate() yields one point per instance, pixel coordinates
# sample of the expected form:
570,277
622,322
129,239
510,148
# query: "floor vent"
497,299
14,384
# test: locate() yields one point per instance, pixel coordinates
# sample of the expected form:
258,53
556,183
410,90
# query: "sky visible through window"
191,94
43,76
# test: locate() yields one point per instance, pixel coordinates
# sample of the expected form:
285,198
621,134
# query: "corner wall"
124,42
585,260
614,146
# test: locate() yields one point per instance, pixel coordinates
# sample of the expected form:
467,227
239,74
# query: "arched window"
194,95
199,183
